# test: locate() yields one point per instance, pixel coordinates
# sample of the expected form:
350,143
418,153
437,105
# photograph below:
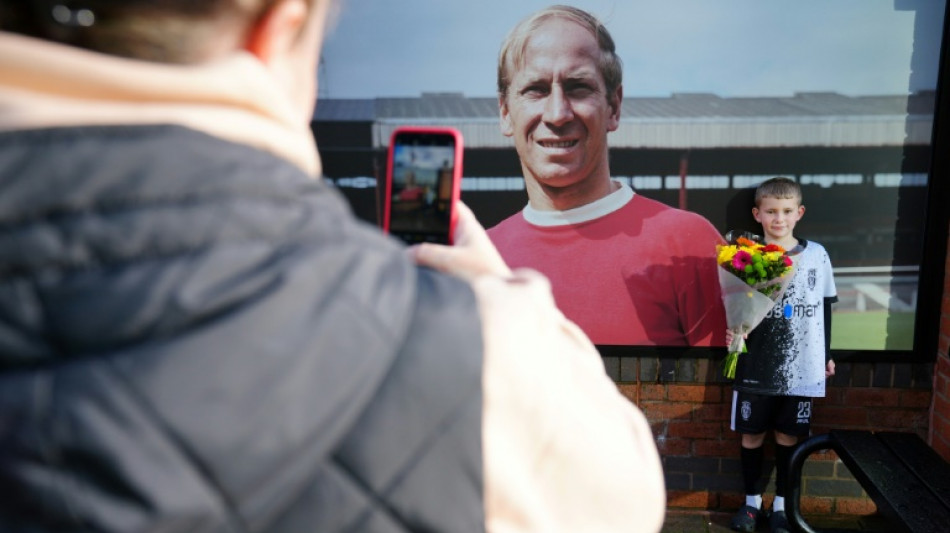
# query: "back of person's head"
511,56
166,31
779,187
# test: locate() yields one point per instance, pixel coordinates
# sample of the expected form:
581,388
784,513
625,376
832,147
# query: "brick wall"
940,411
940,417
688,405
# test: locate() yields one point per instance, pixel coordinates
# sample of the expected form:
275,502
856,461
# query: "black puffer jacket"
196,337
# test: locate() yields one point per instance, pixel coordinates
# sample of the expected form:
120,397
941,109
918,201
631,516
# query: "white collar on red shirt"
585,213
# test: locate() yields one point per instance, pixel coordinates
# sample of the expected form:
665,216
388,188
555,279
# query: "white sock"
778,504
754,500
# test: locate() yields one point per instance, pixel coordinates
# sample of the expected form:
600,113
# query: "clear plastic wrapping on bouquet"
746,306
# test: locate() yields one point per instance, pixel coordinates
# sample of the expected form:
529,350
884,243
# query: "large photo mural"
709,99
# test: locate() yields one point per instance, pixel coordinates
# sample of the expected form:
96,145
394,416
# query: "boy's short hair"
778,187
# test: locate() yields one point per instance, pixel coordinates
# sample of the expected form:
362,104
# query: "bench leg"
793,488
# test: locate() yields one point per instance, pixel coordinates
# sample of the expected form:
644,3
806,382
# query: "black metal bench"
906,479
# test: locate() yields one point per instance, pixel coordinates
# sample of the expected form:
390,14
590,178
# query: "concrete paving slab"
718,522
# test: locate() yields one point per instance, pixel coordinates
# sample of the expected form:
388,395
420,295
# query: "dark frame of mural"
933,271
345,143
931,284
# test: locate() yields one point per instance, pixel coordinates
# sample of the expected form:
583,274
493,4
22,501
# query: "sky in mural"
402,48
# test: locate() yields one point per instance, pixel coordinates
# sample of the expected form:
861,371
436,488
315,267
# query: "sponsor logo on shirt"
793,310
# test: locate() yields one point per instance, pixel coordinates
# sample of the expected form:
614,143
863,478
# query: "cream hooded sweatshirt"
563,450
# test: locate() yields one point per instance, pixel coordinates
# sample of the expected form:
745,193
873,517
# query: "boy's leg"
784,444
794,421
750,416
751,460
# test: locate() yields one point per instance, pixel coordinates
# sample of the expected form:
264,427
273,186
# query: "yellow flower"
726,252
773,257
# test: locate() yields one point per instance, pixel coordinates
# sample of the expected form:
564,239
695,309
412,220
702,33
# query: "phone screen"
424,185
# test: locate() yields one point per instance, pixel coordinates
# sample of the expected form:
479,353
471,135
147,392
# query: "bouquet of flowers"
752,276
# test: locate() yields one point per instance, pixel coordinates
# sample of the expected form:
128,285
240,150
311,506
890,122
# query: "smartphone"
423,182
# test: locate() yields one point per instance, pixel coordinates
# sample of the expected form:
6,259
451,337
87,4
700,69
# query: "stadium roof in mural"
680,120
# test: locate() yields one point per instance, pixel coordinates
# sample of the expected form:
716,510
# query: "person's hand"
830,368
731,336
472,255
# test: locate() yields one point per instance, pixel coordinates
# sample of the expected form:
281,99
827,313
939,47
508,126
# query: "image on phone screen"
423,167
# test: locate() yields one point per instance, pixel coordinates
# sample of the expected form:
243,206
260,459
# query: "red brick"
833,396
940,422
942,446
709,412
629,391
941,385
915,398
819,428
692,393
659,427
727,394
855,506
829,455
909,419
677,447
667,411
815,505
727,429
716,448
652,391
872,397
842,416
696,430
731,500
941,407
942,376
690,499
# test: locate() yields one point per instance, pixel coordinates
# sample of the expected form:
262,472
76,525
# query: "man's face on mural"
557,109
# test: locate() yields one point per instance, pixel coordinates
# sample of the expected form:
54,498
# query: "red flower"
773,248
741,259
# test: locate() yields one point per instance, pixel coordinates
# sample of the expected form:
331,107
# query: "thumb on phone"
472,255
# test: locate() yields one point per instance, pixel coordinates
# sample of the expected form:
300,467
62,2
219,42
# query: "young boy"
788,357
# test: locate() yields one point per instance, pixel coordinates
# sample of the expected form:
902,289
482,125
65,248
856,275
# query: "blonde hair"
513,47
779,187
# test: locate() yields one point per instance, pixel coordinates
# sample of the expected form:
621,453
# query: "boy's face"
778,217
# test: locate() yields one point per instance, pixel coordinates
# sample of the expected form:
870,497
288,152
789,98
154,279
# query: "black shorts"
758,413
